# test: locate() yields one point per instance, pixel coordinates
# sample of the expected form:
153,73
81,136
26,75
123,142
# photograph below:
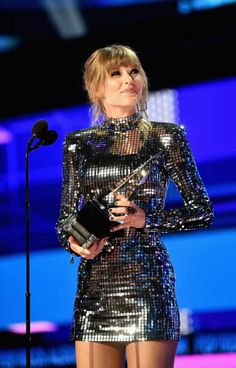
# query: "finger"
97,247
119,197
85,252
122,203
118,210
90,253
94,247
77,249
74,245
120,219
72,240
103,240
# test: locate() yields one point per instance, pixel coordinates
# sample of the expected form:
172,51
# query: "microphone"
39,128
45,136
49,138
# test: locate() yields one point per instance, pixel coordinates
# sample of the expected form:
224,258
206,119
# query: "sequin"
127,292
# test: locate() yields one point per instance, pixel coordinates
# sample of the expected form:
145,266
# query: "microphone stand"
46,137
28,294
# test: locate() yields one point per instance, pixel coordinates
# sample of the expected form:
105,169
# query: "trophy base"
90,224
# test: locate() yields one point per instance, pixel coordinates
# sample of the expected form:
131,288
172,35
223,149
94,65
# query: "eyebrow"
124,66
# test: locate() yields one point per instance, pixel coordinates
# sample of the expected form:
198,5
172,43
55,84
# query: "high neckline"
122,124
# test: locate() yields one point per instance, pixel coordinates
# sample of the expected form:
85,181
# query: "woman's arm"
70,188
69,200
180,165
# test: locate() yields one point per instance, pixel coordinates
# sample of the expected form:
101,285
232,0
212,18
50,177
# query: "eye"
134,71
115,72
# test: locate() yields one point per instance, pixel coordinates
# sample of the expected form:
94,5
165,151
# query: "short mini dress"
128,291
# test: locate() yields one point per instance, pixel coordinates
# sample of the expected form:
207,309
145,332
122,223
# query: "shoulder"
173,139
78,135
168,128
170,133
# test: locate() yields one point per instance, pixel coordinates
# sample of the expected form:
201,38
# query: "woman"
126,302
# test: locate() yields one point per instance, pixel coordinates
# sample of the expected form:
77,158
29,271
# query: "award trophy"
92,221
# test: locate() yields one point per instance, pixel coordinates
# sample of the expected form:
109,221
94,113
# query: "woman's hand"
90,253
129,215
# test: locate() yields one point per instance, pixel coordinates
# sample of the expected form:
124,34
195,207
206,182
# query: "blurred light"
5,136
104,3
206,360
66,17
40,356
35,327
186,321
163,106
186,6
223,341
8,43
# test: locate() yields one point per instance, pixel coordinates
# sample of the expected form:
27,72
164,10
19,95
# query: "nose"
128,78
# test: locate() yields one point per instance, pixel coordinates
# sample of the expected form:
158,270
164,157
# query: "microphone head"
49,138
40,128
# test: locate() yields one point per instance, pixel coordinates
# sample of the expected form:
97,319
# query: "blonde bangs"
116,56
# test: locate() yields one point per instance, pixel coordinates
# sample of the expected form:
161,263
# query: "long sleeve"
70,188
180,166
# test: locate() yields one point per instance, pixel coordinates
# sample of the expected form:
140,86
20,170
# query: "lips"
129,90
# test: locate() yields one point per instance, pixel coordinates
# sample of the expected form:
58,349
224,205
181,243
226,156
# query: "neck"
120,113
122,124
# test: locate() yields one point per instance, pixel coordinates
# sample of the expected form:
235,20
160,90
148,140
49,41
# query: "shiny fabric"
127,292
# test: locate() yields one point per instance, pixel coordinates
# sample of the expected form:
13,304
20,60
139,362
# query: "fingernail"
109,210
111,218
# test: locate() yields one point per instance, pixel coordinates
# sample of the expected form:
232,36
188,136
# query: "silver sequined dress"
127,293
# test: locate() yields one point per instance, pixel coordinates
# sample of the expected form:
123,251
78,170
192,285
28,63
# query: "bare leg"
151,354
99,354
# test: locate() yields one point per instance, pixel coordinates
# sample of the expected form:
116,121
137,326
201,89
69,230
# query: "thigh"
151,354
91,354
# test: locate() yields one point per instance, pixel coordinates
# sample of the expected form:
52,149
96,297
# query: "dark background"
44,70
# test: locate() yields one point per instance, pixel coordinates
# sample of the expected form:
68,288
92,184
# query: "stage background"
193,83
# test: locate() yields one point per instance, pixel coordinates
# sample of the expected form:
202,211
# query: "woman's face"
122,91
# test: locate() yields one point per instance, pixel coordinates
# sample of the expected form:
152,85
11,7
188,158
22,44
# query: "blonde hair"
100,63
